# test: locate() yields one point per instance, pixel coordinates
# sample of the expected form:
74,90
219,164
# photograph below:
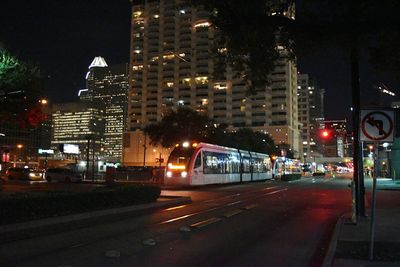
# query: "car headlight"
31,174
169,174
183,174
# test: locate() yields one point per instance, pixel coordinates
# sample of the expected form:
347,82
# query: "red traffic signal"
326,134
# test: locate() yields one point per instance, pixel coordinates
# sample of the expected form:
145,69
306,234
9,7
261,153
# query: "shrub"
36,205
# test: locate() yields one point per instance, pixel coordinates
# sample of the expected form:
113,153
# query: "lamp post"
18,154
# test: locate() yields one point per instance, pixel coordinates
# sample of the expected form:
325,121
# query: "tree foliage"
254,40
21,88
178,125
257,33
186,124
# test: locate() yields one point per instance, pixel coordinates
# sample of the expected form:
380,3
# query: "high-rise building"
107,90
171,65
77,123
311,114
337,146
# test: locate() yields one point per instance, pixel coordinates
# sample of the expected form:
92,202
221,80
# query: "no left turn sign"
377,125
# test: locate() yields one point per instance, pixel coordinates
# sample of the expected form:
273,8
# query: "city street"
266,223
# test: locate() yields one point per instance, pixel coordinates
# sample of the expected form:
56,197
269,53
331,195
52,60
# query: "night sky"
63,37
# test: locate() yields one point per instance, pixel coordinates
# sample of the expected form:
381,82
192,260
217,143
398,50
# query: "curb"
330,254
20,230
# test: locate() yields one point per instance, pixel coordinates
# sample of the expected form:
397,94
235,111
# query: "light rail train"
202,163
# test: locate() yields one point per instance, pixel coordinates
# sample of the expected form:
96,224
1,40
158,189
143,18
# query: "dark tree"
179,125
21,89
247,139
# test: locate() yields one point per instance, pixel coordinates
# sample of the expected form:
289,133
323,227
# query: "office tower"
337,146
171,65
311,114
107,90
77,123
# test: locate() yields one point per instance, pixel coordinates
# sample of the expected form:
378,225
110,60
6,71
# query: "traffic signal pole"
357,174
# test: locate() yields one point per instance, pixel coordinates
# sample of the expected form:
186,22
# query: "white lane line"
205,222
233,203
274,192
251,206
149,242
232,213
187,216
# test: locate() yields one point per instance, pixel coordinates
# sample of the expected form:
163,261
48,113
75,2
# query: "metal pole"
93,160
358,181
87,157
144,150
373,208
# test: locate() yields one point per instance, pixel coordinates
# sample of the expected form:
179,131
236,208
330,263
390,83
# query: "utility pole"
144,150
87,156
357,174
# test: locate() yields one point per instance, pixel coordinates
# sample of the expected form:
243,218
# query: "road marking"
233,203
77,245
149,242
184,229
251,206
175,208
232,213
113,254
187,215
274,192
205,222
272,187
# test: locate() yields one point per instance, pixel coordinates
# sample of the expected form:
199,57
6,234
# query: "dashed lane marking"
205,222
232,213
251,206
149,242
274,192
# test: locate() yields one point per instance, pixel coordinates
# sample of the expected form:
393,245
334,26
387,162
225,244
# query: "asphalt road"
259,224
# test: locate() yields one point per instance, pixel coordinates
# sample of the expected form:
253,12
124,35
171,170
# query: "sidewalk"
350,243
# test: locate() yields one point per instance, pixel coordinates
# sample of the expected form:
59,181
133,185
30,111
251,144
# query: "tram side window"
246,165
214,163
210,163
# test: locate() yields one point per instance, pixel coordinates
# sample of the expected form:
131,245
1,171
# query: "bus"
203,163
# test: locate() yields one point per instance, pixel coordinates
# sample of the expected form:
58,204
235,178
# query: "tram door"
198,174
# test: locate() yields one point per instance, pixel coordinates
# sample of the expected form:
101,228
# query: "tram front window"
180,156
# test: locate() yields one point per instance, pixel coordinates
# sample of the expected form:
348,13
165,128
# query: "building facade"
171,65
107,90
311,115
77,123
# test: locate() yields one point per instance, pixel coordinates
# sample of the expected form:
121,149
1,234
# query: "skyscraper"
311,113
171,65
75,123
107,90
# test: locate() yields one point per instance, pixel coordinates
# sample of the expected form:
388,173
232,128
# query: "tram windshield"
180,156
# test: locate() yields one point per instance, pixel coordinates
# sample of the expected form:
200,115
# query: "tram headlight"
169,174
184,174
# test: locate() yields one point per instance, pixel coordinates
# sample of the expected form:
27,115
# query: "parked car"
62,175
24,174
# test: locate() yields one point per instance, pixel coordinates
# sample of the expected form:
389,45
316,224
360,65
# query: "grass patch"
27,206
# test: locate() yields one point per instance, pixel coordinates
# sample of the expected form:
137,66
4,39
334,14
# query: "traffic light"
326,134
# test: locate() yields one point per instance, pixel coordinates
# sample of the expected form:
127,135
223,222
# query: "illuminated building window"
202,80
202,24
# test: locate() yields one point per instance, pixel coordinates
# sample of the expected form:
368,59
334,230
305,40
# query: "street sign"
45,151
377,125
